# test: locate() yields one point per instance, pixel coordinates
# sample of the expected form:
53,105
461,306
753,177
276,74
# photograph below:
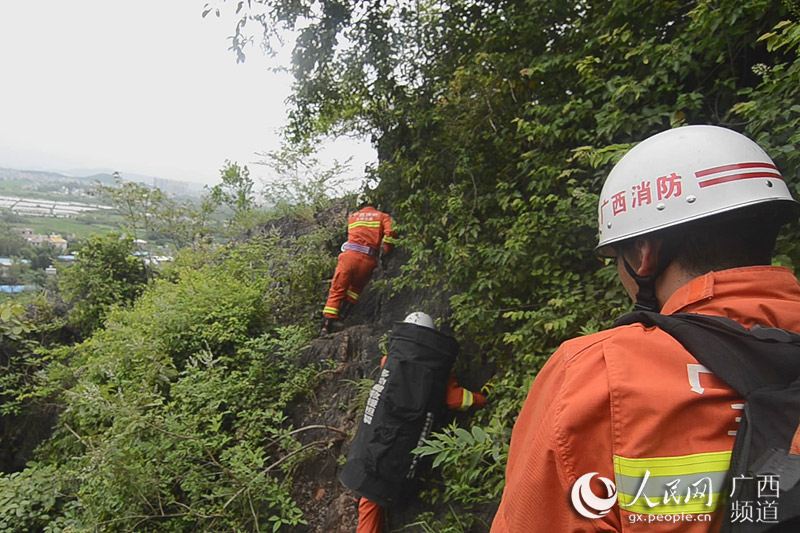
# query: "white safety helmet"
362,199
420,319
685,174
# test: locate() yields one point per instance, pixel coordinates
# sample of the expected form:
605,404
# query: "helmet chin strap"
646,297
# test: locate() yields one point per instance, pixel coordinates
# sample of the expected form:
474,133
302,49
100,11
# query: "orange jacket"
370,227
630,404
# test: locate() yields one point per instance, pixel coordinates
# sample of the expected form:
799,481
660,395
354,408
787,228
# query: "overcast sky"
143,87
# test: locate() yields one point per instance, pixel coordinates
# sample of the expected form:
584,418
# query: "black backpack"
762,365
406,402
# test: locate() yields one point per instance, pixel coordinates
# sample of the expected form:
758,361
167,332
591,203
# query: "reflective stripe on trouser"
353,272
672,485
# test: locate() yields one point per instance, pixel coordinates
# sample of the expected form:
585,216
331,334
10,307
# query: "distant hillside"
102,178
15,181
39,176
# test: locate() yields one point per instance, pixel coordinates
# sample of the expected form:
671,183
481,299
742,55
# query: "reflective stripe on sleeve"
668,485
466,400
388,240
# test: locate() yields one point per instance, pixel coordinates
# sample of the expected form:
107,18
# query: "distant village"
40,194
37,239
61,244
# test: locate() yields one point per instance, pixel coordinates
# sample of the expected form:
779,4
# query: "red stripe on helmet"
737,177
735,166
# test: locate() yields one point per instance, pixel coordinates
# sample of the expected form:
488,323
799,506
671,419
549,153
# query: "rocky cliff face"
331,414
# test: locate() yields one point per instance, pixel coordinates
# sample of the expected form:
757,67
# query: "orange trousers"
353,272
370,517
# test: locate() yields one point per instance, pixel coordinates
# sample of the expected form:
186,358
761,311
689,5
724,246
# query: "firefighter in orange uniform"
368,230
623,429
371,517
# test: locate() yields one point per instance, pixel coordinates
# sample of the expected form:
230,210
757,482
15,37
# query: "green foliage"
149,212
27,327
11,242
235,191
20,355
40,257
186,223
34,500
136,202
472,462
361,388
213,454
105,274
172,413
12,321
300,181
16,377
772,111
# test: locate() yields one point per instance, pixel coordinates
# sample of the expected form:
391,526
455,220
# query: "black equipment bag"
762,365
405,403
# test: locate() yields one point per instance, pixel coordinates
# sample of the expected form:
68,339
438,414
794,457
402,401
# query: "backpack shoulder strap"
745,359
763,366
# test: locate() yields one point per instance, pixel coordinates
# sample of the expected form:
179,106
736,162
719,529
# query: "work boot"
327,327
345,308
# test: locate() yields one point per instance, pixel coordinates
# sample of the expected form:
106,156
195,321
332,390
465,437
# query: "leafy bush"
472,462
34,500
105,274
172,412
12,321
